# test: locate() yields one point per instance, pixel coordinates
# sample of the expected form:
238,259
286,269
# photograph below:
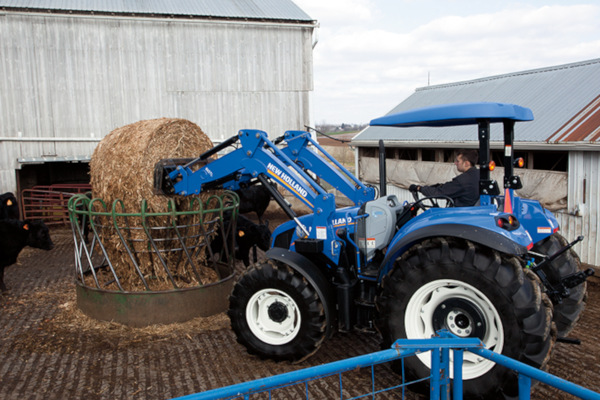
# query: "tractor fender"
539,222
313,275
485,237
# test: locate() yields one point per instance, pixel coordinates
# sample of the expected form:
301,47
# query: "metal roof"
279,10
565,101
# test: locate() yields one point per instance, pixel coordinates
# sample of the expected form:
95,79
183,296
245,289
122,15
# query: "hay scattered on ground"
69,328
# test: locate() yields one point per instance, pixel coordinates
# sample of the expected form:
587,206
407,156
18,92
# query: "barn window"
408,154
368,152
428,155
550,160
449,155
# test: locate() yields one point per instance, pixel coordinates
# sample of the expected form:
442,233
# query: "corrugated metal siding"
72,77
252,9
571,227
554,95
8,164
581,217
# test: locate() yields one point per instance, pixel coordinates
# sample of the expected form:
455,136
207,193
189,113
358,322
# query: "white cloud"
363,70
337,12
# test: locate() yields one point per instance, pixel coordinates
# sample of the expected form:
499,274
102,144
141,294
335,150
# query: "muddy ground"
50,350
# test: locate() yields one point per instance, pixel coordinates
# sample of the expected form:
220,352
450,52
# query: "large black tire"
567,312
472,291
276,313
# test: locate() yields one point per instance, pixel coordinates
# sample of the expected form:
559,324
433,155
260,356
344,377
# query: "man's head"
465,159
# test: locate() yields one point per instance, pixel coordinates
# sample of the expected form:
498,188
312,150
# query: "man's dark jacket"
463,189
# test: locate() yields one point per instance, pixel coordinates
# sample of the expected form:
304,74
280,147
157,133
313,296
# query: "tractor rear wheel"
276,313
566,313
471,291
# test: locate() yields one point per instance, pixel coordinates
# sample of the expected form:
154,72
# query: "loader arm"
340,178
259,158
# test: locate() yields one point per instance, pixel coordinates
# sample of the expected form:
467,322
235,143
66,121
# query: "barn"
561,147
73,71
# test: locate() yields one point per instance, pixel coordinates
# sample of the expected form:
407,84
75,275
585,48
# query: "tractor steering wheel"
425,203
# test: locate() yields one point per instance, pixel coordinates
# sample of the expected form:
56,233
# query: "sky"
370,55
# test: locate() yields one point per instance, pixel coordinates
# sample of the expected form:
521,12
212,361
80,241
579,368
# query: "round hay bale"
122,168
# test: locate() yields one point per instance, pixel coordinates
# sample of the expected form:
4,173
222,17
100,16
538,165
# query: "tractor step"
371,270
364,303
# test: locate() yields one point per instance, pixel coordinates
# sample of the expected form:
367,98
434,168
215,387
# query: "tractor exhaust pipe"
382,173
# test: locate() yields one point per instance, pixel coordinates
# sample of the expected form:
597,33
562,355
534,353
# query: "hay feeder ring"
144,268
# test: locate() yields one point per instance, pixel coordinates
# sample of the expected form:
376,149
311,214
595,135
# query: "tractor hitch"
554,256
577,278
560,290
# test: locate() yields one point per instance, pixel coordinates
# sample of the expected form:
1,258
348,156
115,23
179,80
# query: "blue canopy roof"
455,114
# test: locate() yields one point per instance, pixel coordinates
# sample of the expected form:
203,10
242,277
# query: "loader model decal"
337,222
286,180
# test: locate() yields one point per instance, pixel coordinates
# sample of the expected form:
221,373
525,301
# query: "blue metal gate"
441,389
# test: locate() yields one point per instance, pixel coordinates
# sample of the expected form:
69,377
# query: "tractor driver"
464,188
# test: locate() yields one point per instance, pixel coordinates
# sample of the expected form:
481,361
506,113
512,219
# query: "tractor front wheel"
276,313
471,291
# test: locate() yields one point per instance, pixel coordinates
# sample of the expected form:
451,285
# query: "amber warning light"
508,222
519,162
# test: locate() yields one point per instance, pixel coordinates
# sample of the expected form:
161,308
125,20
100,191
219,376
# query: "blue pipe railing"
439,378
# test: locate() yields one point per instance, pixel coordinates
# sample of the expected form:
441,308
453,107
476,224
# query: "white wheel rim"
273,316
432,299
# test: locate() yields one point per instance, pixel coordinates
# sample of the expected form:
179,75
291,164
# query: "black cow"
83,218
248,235
255,198
14,235
9,207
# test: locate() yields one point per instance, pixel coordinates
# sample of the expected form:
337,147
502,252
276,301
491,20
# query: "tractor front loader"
405,270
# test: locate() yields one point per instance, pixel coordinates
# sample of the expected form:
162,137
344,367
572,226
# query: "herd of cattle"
15,234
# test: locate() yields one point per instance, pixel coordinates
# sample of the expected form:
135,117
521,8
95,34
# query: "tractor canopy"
455,114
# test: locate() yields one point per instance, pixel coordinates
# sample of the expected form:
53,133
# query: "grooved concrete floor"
49,350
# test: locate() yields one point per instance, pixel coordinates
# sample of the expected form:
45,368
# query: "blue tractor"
551,257
405,270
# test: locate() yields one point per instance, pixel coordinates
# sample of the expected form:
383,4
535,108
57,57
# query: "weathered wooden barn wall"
66,81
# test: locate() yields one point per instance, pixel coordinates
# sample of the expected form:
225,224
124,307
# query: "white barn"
73,71
561,146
